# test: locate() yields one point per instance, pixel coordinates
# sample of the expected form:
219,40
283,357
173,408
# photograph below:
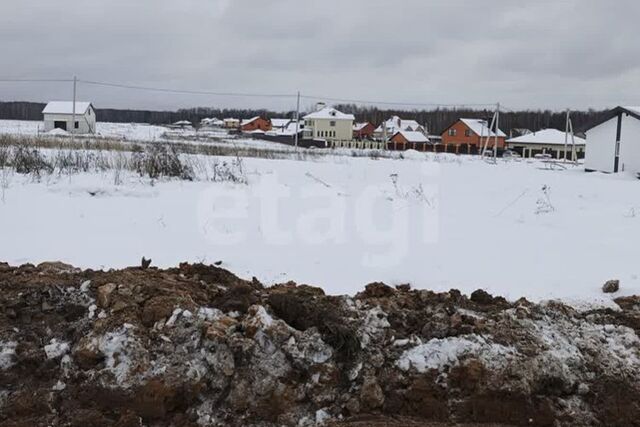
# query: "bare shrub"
4,156
161,161
229,171
30,161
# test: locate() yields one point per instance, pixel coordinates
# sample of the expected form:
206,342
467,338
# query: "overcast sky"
533,54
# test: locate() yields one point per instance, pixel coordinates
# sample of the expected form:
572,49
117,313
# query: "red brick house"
255,124
363,130
472,132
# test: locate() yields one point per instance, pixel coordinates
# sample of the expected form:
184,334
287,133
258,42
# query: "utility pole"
297,118
495,145
485,147
566,135
574,155
73,111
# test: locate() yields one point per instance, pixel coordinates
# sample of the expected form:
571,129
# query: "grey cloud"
543,54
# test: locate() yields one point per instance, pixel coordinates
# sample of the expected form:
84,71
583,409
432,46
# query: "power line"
187,92
246,94
36,80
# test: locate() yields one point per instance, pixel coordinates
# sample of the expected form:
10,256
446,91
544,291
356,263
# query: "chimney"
320,106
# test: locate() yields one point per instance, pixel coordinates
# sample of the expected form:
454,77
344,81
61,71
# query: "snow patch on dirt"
56,349
7,353
446,352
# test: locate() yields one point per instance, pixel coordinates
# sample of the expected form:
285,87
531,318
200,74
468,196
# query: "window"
77,125
332,123
452,132
467,132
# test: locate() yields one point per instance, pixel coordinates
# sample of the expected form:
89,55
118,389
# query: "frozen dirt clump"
198,346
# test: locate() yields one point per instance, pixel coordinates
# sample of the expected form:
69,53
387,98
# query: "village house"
230,123
395,124
279,125
612,144
404,140
363,130
472,133
255,124
547,141
212,122
329,124
182,124
59,115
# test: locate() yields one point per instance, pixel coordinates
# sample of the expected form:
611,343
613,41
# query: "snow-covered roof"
330,113
481,127
545,137
183,123
65,107
634,109
395,124
360,126
252,119
280,123
413,136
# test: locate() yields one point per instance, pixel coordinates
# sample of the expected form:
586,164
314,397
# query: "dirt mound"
197,346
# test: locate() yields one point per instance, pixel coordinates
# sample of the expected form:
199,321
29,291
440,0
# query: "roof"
545,137
481,128
66,107
632,111
280,123
413,136
360,126
329,113
395,124
252,119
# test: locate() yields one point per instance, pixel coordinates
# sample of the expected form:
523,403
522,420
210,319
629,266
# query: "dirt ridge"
197,346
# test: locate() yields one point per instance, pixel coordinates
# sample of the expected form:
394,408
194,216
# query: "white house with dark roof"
59,115
329,124
613,144
547,141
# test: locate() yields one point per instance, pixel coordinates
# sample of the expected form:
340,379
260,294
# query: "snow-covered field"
125,131
128,131
437,222
145,133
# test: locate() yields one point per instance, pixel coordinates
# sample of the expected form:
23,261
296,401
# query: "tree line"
437,120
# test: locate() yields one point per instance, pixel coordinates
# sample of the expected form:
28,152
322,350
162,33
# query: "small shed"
613,143
59,115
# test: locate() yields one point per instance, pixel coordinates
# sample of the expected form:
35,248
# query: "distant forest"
437,120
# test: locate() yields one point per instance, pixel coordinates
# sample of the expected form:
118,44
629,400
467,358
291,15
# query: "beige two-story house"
329,124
